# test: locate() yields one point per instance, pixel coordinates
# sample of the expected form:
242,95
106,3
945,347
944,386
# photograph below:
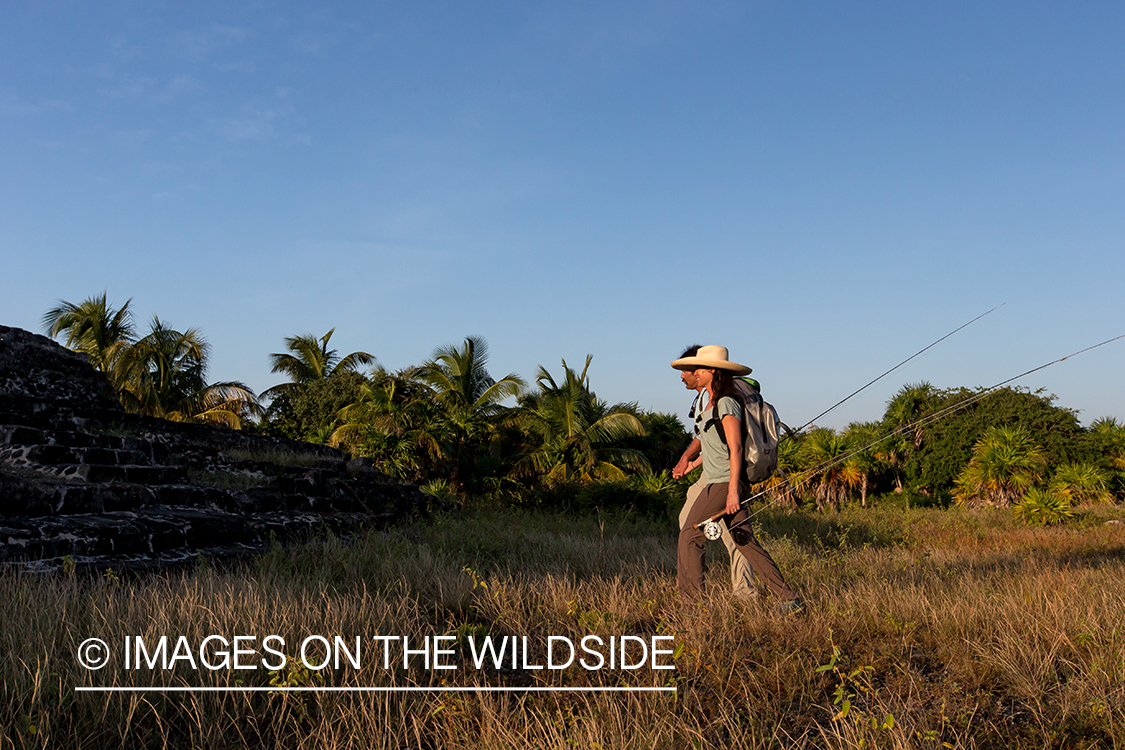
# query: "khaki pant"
741,574
689,554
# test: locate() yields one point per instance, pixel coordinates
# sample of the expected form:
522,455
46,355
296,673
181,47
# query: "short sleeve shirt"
716,457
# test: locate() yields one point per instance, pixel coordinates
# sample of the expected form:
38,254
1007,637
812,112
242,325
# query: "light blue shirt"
716,456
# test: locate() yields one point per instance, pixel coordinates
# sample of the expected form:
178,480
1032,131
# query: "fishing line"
920,422
888,372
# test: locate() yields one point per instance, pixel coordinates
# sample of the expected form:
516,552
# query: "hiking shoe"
791,607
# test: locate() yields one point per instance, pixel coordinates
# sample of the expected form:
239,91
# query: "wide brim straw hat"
711,355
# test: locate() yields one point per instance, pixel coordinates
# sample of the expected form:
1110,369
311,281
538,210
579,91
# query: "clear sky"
825,188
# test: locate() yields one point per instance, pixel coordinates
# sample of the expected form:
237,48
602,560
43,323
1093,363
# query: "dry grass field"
925,629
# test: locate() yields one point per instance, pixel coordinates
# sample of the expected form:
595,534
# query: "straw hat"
711,356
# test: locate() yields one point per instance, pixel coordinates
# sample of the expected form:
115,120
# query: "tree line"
1008,447
449,425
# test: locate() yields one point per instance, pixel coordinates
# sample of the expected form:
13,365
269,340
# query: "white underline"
483,689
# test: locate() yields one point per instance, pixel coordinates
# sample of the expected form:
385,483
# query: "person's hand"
733,504
680,468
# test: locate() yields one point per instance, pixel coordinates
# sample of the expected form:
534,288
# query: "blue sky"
825,188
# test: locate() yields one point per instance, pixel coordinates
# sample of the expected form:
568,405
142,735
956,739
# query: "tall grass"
949,629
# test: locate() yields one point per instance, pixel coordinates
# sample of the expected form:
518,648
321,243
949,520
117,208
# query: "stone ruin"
83,482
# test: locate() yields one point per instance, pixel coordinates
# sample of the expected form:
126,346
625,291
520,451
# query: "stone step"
17,429
22,495
45,416
122,532
132,474
32,421
36,496
11,434
55,455
153,539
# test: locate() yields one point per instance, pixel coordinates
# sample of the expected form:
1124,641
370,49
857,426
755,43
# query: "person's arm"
732,428
683,466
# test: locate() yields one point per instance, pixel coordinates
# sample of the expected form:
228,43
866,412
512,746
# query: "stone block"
103,456
51,455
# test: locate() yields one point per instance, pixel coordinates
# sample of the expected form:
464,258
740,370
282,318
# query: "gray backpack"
760,434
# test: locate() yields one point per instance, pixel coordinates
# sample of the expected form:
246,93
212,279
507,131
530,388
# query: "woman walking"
721,450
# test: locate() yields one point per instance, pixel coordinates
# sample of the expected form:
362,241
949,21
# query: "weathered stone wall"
82,479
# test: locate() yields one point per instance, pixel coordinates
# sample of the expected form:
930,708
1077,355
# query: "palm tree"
1082,483
575,434
1109,436
905,407
862,464
828,469
903,411
1006,463
470,401
309,359
93,328
164,375
461,381
394,422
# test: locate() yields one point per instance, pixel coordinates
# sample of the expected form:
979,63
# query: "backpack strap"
715,419
697,402
744,426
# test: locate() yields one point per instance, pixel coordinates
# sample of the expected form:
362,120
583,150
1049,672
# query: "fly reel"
712,529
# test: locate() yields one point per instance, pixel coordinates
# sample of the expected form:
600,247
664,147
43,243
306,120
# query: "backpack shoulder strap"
716,420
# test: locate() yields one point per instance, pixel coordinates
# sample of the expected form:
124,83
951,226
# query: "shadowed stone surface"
80,477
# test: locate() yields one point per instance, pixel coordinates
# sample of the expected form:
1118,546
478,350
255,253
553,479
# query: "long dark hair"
722,384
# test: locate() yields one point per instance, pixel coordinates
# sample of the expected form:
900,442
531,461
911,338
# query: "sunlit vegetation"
449,423
160,374
960,559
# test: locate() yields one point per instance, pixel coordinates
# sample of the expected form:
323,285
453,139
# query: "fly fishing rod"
888,372
710,526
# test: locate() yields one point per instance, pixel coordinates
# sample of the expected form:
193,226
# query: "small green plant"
477,582
656,484
1043,507
438,488
203,564
468,631
296,675
28,724
594,620
851,685
120,430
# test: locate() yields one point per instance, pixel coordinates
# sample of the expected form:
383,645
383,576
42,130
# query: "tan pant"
689,553
741,574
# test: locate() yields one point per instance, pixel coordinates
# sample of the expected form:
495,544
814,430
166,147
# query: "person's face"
688,378
703,377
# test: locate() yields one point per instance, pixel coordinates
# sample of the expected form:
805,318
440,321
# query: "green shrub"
1043,507
620,496
438,488
575,497
1082,484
